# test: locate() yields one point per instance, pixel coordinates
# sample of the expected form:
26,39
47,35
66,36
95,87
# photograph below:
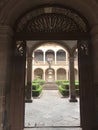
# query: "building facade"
59,62
21,21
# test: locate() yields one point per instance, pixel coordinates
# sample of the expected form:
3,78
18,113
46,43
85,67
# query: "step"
50,86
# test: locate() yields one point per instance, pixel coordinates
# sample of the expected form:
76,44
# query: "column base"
28,100
73,99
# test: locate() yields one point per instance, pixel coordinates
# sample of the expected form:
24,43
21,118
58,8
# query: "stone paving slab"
51,110
52,129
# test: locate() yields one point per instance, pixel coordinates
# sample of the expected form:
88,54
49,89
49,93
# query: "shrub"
58,82
37,91
63,91
35,86
39,81
64,87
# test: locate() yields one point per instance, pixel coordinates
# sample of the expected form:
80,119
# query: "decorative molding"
20,48
84,48
51,19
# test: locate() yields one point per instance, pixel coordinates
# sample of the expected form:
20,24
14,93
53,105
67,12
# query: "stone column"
55,57
94,35
72,94
29,79
44,57
6,35
44,75
67,78
66,56
55,74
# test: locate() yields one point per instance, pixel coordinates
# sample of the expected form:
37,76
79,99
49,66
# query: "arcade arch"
61,74
49,49
88,119
38,73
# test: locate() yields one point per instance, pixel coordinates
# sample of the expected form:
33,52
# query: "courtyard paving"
52,110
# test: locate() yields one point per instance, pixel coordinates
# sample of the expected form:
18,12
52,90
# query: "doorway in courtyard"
43,25
54,77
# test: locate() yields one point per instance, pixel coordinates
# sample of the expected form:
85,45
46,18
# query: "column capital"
6,30
71,58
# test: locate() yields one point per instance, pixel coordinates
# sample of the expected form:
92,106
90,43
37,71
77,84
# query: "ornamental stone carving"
51,19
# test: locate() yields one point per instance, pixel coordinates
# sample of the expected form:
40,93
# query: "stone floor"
52,110
52,129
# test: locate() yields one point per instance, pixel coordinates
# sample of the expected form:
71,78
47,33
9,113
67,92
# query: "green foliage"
36,89
66,83
63,91
36,92
35,86
64,87
39,81
60,82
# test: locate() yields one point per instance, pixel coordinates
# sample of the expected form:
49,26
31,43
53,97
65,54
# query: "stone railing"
41,63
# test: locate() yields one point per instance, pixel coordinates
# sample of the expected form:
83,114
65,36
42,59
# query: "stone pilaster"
6,35
94,35
29,80
72,94
44,56
44,77
55,57
55,74
67,74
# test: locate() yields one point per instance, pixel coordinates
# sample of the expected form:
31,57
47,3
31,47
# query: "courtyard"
52,110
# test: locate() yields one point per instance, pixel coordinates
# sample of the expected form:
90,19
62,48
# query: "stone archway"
61,74
38,73
52,73
8,20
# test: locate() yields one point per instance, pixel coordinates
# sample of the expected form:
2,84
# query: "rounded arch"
22,6
50,54
38,55
61,55
51,19
61,74
50,75
38,73
61,43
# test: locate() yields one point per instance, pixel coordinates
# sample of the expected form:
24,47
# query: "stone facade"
10,12
60,64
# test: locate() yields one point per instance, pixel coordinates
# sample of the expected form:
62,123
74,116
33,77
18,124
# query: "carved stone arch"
51,19
9,12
